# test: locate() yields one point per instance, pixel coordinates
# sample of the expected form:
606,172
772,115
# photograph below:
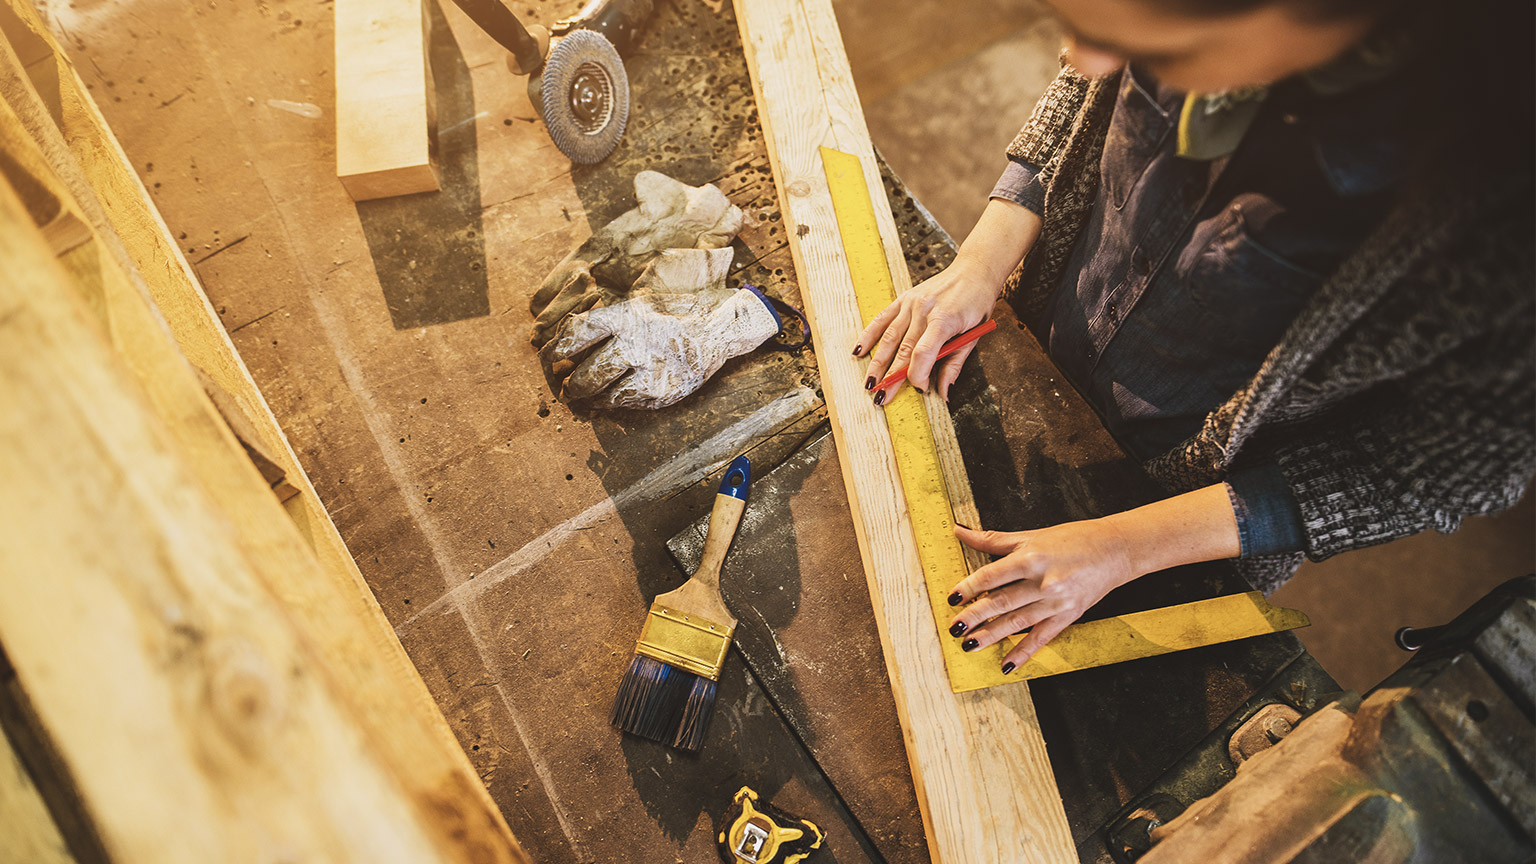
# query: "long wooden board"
27,832
197,722
129,257
384,112
978,761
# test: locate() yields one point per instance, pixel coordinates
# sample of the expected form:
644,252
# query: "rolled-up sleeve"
1020,184
1268,517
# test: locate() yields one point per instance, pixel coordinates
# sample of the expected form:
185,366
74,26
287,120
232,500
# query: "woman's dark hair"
1476,65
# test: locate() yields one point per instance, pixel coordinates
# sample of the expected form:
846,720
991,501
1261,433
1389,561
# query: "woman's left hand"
1046,579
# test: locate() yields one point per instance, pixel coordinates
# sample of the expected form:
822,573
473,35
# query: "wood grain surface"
385,127
982,774
197,722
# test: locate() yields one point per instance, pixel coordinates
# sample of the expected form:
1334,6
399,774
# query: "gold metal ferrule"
686,641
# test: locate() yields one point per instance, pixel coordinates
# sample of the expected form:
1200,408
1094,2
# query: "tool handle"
1414,638
500,24
723,519
737,478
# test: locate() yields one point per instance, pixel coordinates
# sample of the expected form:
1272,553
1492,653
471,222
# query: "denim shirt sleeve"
1268,517
1020,184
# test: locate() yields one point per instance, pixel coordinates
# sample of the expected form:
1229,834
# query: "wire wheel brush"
583,95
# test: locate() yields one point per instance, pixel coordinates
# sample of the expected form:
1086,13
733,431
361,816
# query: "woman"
1285,248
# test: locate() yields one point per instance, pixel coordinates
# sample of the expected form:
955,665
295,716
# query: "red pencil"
949,348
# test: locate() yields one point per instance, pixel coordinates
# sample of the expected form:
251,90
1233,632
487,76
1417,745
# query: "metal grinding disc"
584,95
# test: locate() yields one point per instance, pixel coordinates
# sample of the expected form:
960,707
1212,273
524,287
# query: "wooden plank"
978,761
197,721
331,603
384,119
27,832
249,438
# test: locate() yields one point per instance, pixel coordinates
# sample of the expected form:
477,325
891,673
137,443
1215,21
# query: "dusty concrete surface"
945,87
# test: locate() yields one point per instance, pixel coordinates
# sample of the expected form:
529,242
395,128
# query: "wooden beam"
979,763
27,832
386,134
198,723
248,436
129,274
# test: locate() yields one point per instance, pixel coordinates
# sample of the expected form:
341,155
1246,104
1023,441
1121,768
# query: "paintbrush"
668,694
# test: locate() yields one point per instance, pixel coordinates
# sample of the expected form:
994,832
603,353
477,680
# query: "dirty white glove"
656,348
671,215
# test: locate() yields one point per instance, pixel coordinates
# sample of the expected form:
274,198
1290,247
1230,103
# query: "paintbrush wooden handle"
723,519
701,593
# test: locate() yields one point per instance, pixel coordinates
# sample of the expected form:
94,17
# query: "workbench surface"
514,542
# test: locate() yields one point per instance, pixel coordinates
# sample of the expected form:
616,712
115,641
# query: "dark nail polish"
857,349
880,398
956,599
1008,667
965,526
919,389
957,629
970,644
1025,630
869,383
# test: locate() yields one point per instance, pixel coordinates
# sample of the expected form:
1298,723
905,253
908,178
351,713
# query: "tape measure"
754,832
1080,646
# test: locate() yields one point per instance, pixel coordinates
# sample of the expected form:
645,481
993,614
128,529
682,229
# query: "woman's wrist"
1186,529
1002,236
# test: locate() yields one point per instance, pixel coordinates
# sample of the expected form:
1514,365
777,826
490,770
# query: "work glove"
671,215
665,341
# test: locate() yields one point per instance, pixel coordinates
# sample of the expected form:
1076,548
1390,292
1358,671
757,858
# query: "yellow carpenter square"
1140,634
1081,646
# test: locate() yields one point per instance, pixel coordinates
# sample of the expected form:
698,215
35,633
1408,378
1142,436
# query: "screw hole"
1477,711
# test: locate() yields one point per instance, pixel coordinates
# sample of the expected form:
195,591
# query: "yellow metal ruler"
1080,646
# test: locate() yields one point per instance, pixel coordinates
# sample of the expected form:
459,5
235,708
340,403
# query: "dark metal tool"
576,77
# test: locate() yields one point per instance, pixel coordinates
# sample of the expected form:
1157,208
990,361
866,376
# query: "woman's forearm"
1185,529
998,242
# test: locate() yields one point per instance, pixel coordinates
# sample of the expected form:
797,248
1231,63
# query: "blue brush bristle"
664,703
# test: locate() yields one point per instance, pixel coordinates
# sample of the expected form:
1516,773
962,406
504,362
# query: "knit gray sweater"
1403,396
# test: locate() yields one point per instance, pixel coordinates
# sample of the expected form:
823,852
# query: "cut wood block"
386,129
979,764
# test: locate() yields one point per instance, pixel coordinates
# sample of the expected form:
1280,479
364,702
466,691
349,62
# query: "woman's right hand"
910,332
